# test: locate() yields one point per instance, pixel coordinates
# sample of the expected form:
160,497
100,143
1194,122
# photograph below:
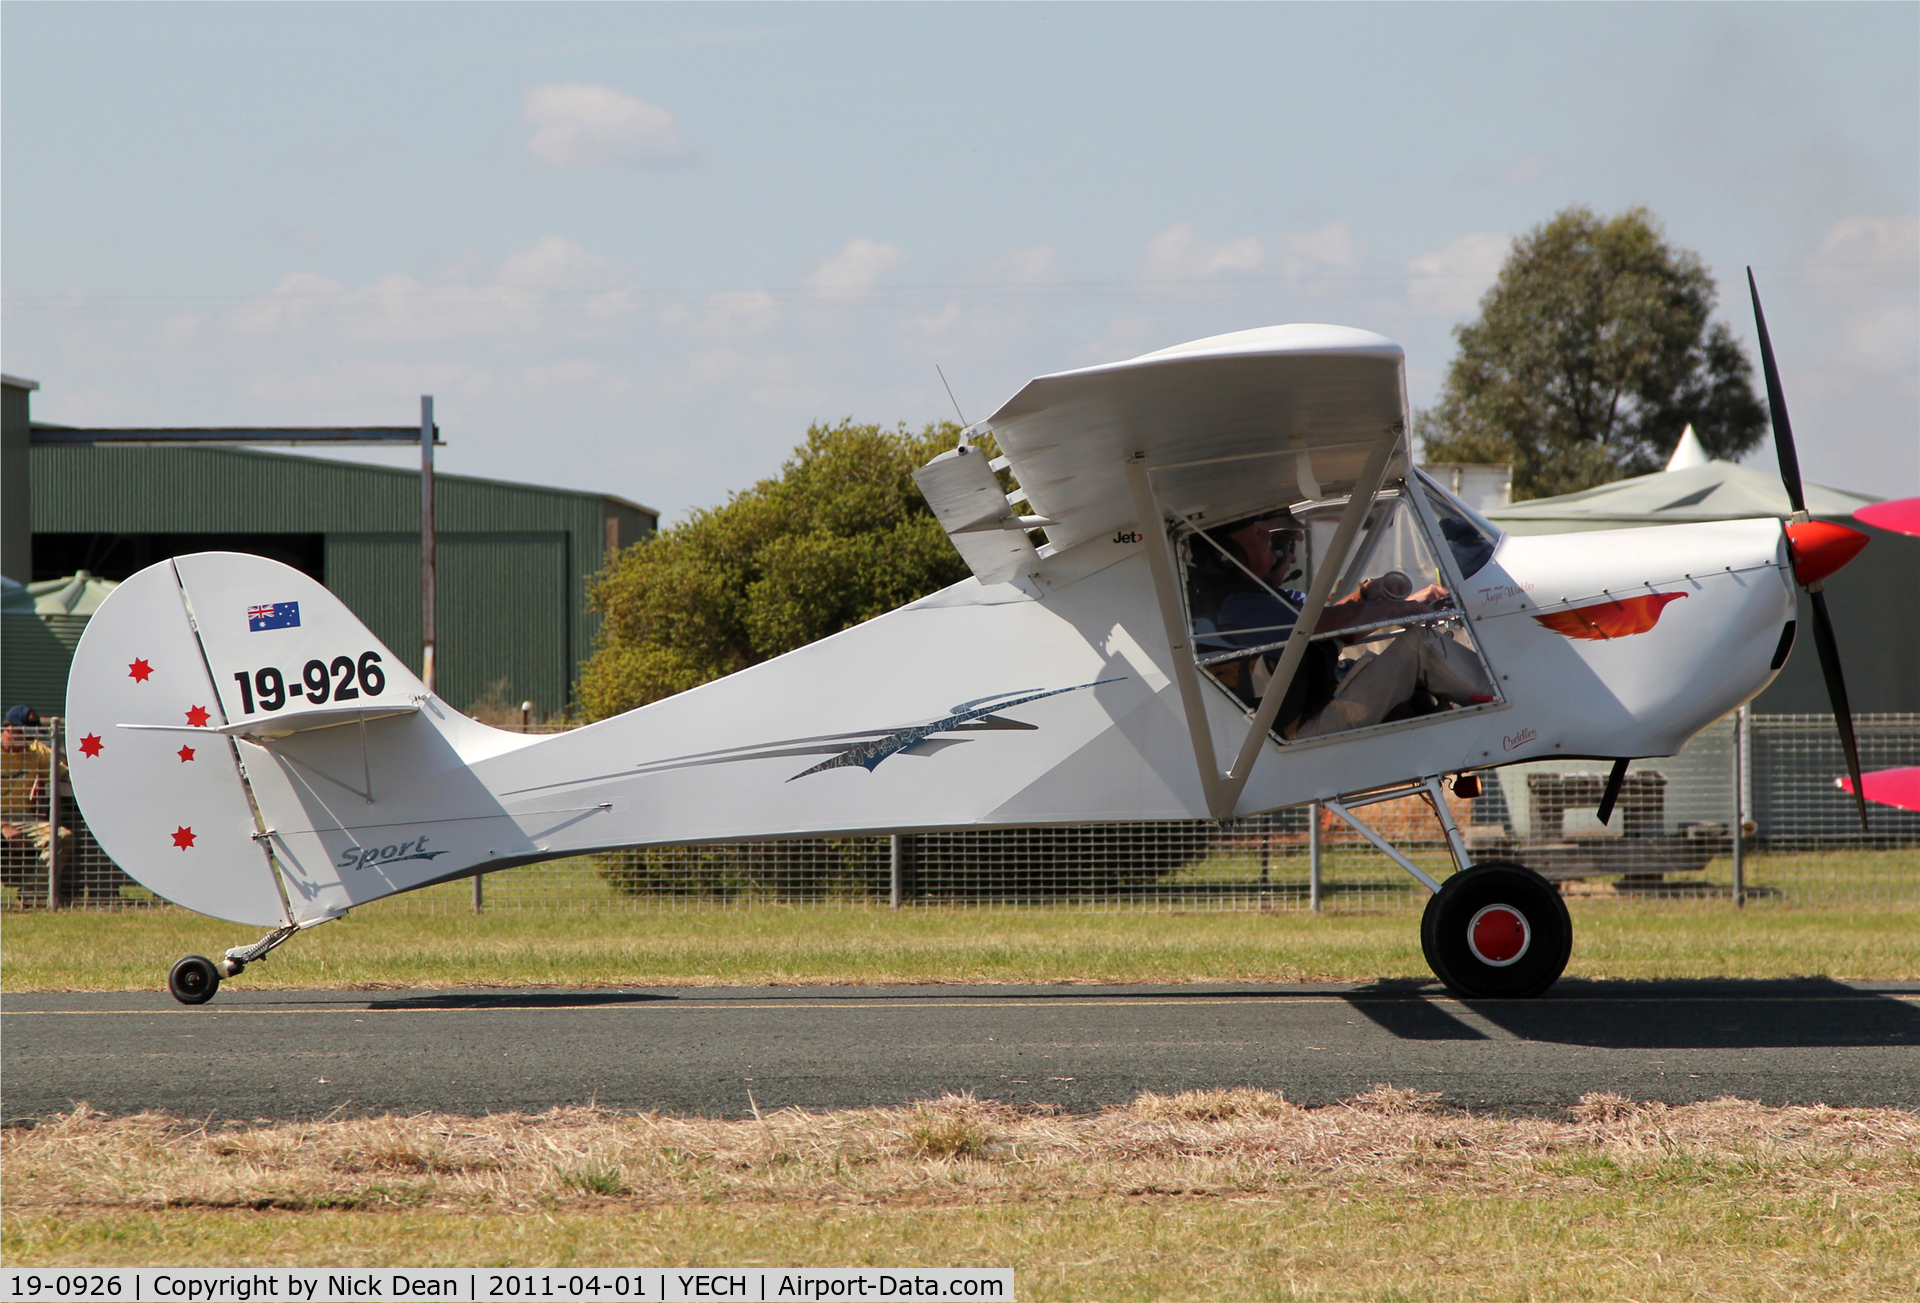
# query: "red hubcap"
1498,935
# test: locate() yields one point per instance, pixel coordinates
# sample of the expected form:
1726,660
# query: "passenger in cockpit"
1239,601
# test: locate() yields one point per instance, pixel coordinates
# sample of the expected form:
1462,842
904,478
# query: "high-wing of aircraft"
1220,587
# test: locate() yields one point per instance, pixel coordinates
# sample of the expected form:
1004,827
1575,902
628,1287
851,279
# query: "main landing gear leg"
195,978
1496,930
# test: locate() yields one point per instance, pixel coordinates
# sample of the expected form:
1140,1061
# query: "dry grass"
954,1150
1218,1194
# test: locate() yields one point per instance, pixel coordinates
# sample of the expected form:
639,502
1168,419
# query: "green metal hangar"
513,561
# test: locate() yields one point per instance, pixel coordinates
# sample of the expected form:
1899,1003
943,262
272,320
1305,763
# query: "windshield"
1469,535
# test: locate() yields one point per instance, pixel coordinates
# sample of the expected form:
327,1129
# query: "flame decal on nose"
1618,617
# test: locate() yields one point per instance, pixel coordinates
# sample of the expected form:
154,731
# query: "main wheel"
1497,931
193,980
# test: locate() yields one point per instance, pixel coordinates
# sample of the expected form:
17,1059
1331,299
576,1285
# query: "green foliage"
935,1134
595,1178
1592,352
841,536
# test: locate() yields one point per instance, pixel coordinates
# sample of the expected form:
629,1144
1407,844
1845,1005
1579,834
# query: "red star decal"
90,745
198,716
186,754
183,838
140,670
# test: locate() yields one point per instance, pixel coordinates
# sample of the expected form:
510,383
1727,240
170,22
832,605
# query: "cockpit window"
1391,644
1468,534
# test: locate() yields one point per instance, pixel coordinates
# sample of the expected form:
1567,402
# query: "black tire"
193,980
1516,913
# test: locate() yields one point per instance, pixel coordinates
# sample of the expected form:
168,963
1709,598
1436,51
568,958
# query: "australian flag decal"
274,615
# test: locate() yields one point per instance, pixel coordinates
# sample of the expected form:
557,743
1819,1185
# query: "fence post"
1313,856
1266,862
428,595
53,812
1739,808
896,866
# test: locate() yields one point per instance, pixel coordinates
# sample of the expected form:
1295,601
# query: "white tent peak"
1688,453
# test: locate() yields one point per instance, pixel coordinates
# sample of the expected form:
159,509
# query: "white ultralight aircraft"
1247,598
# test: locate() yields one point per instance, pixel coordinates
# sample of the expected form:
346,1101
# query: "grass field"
1220,1195
382,945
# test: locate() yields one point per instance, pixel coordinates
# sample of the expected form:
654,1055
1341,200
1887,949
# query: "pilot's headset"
1289,538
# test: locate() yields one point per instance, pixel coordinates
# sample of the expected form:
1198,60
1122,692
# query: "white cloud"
729,314
1873,246
369,390
939,323
1515,171
1030,266
556,263
288,306
1524,171
569,371
852,273
584,125
180,327
1868,269
1333,247
394,309
397,308
560,266
1178,254
726,366
1449,281
1127,335
298,237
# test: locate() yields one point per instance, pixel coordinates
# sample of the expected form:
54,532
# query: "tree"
1592,352
841,536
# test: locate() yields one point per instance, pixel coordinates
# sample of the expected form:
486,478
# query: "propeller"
1823,639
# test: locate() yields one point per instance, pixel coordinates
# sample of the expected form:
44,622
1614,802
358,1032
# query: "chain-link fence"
1671,838
36,865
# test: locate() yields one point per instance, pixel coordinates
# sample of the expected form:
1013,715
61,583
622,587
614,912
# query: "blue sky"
640,248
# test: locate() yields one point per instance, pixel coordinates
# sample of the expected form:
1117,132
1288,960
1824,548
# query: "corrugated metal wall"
502,610
515,560
37,649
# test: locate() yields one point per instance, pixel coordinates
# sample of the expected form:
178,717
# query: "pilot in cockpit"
1239,600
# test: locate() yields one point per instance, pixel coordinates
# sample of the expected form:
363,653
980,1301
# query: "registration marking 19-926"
342,679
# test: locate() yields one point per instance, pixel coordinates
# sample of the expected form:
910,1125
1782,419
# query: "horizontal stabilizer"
272,729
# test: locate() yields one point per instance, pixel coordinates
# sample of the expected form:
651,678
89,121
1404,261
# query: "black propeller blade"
1823,639
1837,693
1612,794
1777,407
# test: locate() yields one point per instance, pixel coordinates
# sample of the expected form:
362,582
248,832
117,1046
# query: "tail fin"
245,747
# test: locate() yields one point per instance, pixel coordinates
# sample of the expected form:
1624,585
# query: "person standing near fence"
24,764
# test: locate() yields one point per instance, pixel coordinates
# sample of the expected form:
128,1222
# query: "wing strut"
1179,644
1223,789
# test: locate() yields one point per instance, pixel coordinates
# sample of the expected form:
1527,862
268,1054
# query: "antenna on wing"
965,429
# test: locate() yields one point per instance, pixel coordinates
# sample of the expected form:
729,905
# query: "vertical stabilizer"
160,785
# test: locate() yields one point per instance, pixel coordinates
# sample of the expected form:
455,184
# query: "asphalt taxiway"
725,1051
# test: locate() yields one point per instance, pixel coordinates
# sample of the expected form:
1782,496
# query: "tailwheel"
1497,931
193,980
